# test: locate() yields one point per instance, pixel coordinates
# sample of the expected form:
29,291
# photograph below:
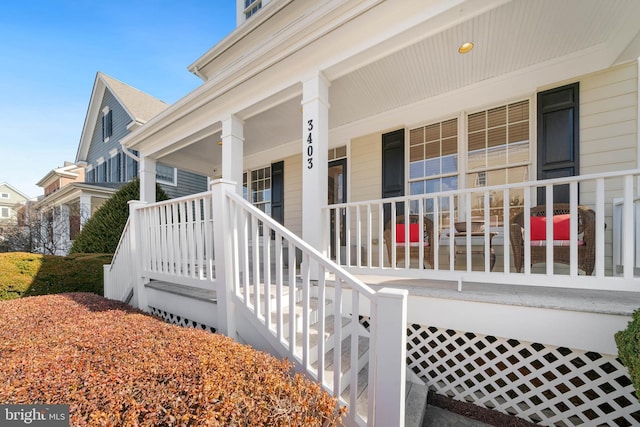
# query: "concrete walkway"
438,417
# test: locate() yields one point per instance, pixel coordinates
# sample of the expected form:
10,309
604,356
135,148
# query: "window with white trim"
256,188
251,7
107,124
498,152
4,195
4,212
166,174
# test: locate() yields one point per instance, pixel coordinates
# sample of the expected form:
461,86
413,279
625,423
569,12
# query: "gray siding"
187,182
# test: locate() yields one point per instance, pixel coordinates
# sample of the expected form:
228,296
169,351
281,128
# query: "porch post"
232,150
147,179
137,254
85,209
224,234
315,147
390,350
62,230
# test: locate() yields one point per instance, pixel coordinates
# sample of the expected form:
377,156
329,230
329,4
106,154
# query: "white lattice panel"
543,384
179,320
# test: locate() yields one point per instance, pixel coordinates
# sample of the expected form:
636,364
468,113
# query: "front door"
558,138
337,194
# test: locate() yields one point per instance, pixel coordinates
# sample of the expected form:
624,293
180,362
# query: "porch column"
232,150
147,179
62,230
315,147
85,209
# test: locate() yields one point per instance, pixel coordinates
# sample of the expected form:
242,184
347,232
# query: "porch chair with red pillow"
414,239
561,239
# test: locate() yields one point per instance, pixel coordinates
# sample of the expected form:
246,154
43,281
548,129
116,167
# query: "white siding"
366,167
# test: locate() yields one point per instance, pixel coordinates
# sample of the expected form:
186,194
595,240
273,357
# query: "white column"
147,179
137,254
62,231
315,147
85,209
232,150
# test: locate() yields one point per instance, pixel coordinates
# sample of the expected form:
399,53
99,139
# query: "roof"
14,189
139,105
66,171
75,189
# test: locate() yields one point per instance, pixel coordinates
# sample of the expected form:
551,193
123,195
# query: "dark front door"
337,194
393,169
558,138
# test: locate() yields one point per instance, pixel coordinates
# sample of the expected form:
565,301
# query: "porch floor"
590,301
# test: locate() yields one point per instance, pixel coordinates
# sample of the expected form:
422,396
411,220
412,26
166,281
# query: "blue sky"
50,52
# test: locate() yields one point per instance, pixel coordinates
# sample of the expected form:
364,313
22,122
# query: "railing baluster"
549,241
487,231
347,236
355,323
336,236
527,231
279,278
573,229
245,255
600,225
321,324
337,333
266,261
436,233
467,239
628,228
306,307
370,237
358,237
255,239
421,236
292,301
381,246
506,231
394,238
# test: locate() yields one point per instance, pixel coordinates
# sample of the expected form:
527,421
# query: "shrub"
628,342
115,365
102,231
25,274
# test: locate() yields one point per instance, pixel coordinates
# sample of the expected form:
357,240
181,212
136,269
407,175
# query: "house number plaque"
309,145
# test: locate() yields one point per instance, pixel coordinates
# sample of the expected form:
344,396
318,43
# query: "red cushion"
414,233
561,229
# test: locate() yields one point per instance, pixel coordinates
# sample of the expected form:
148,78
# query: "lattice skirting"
541,383
179,320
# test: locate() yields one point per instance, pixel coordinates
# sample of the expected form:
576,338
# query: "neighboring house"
11,200
115,110
67,204
339,119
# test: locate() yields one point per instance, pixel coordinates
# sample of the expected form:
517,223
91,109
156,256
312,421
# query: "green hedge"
102,231
628,342
24,274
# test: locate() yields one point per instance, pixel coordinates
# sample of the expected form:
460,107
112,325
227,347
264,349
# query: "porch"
265,286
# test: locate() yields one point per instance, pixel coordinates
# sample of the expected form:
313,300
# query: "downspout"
197,72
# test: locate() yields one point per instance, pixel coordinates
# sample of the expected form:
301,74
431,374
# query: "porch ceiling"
517,35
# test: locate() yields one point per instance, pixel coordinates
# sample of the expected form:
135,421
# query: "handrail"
319,257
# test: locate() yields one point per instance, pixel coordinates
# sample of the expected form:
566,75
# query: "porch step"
207,295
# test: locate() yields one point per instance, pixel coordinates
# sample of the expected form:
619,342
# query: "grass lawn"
115,365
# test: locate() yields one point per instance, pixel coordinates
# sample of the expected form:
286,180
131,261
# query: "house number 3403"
309,145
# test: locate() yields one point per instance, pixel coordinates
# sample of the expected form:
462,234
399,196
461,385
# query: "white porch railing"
366,238
330,344
118,280
177,240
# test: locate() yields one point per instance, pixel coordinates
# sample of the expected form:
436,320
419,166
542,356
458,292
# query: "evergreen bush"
628,342
102,231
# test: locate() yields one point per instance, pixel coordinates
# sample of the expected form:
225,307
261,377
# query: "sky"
51,50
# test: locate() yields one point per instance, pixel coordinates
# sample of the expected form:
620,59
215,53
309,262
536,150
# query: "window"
251,7
91,176
4,212
498,151
166,174
132,167
4,195
107,124
433,158
260,188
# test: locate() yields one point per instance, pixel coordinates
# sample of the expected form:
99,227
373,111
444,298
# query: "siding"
187,183
608,134
293,193
120,119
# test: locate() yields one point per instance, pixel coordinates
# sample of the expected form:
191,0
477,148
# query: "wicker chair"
414,249
561,254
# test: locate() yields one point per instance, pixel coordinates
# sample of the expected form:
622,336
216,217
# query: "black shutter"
277,191
393,169
558,138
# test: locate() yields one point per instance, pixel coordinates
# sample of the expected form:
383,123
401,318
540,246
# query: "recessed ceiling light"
465,47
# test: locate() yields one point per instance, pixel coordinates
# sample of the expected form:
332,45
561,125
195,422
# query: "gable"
120,119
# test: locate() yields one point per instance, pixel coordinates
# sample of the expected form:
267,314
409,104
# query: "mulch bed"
476,412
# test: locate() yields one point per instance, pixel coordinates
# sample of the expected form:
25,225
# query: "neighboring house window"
4,212
166,174
251,7
260,188
498,151
4,195
107,124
